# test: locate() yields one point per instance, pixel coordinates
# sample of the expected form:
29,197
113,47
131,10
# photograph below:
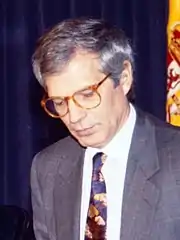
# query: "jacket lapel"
140,194
67,195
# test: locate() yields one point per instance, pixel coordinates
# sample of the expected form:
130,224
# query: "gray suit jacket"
151,200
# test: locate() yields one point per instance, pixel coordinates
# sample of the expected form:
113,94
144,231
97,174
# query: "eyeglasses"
87,98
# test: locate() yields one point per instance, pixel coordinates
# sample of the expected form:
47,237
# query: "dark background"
25,128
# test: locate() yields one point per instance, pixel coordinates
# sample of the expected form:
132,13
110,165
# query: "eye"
58,103
87,93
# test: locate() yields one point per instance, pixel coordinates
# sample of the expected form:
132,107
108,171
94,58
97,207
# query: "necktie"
97,213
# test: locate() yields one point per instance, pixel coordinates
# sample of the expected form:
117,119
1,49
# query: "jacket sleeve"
39,223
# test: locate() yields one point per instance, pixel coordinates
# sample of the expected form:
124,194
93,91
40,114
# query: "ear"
126,77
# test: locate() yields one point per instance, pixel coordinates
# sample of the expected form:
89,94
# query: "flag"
173,64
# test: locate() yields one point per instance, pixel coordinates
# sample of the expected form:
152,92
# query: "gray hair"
58,46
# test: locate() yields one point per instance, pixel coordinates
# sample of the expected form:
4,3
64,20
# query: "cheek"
102,114
106,108
110,110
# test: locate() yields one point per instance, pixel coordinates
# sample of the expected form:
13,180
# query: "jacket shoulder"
167,139
164,131
50,157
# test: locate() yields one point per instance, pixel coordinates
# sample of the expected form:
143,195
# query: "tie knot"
99,160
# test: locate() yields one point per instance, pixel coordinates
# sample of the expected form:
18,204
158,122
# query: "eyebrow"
85,88
94,83
80,90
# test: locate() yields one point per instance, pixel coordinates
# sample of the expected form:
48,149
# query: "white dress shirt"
114,171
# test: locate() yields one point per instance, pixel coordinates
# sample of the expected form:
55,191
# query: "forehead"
82,71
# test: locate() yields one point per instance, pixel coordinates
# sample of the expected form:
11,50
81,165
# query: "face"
93,127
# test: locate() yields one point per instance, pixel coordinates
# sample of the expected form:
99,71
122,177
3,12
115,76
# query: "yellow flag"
173,64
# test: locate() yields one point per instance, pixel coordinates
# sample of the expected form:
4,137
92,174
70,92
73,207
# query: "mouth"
85,131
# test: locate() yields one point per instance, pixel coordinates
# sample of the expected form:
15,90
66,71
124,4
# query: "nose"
76,113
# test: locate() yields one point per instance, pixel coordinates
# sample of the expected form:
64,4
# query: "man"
118,175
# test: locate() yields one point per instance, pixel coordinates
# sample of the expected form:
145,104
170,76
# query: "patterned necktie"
97,213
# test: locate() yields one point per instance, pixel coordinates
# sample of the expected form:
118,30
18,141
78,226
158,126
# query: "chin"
86,142
90,139
90,142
